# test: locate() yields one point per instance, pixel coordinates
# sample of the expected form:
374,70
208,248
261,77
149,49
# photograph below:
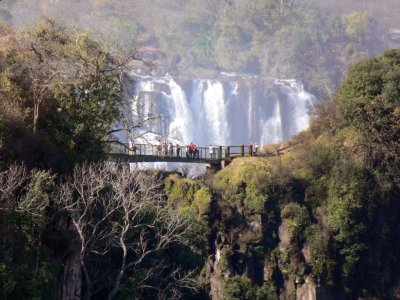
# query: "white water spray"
229,111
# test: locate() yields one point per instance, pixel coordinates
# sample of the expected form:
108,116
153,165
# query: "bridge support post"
228,152
251,150
224,163
241,150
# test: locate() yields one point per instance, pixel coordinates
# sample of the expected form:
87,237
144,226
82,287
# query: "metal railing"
171,151
218,153
153,153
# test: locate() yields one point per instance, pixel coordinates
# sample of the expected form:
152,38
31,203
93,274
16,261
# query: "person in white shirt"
256,148
211,151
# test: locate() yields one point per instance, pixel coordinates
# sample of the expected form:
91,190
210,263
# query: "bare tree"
114,209
11,180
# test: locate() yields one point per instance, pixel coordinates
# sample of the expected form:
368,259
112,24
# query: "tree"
75,90
121,215
27,268
24,190
356,25
369,101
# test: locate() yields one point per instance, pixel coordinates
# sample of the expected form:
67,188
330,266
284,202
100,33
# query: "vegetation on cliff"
72,228
325,214
60,94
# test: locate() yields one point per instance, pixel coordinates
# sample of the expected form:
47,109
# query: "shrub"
297,219
202,200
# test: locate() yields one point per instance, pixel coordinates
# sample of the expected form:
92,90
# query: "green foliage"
297,220
38,192
203,49
202,200
193,202
356,24
72,92
351,166
250,183
232,45
49,31
254,200
27,268
314,160
241,288
181,192
323,263
364,82
198,231
82,114
266,292
252,171
225,260
347,215
369,101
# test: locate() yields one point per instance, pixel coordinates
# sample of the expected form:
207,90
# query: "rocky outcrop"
306,291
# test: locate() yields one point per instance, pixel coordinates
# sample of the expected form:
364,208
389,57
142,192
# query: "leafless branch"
113,207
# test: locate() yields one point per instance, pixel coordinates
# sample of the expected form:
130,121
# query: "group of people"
192,151
167,149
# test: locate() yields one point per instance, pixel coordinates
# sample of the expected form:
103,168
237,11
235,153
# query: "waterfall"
230,110
272,127
215,113
179,128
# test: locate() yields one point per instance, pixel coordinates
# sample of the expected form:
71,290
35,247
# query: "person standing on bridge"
211,151
159,148
170,150
178,150
195,151
164,149
190,150
132,147
256,148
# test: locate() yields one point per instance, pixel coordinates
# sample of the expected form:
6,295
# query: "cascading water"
179,107
214,104
228,111
271,128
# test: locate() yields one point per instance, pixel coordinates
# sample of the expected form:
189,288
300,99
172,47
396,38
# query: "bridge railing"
241,150
218,153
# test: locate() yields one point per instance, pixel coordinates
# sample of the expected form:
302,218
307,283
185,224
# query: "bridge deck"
121,157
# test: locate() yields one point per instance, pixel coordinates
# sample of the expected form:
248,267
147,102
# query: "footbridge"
218,157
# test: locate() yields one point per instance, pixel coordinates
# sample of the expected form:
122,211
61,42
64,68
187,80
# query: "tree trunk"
35,117
72,278
70,283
